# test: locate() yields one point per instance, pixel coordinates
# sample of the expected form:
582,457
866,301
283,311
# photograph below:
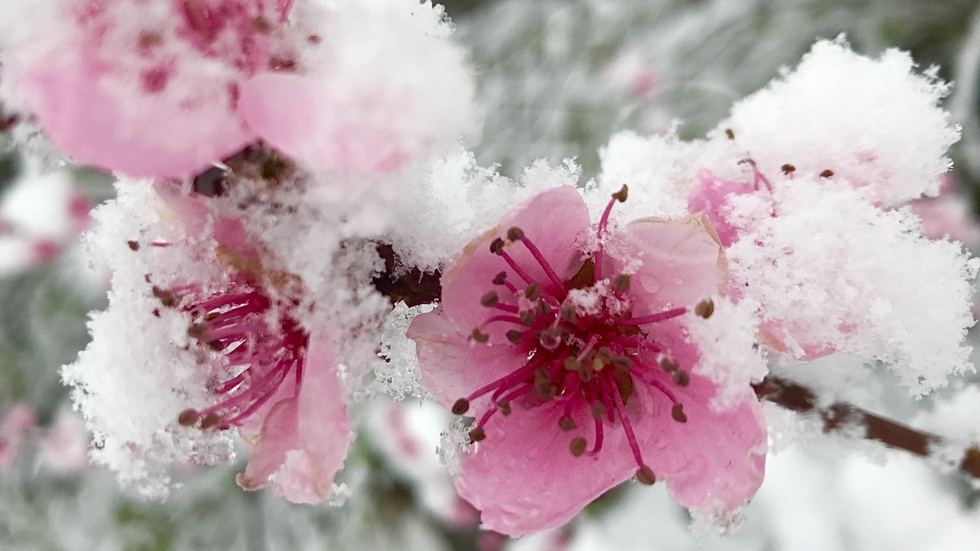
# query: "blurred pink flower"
19,419
578,374
276,382
64,449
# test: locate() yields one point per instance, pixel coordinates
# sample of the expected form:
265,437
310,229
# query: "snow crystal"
876,123
832,272
725,341
454,444
398,374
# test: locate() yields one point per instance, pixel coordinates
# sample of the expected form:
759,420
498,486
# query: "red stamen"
653,318
536,253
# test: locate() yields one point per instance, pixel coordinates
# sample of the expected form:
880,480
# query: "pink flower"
17,422
578,373
64,449
275,381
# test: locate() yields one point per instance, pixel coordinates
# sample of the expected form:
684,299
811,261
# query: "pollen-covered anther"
622,194
461,406
477,434
479,336
490,299
515,234
622,283
677,412
533,291
644,475
573,364
705,308
577,446
188,417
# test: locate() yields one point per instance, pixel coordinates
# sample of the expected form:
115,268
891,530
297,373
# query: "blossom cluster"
295,232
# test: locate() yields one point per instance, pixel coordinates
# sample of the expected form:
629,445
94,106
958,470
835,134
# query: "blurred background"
557,78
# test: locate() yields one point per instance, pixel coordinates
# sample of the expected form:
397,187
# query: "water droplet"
650,283
679,282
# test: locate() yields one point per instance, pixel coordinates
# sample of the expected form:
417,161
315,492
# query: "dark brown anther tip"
577,446
504,407
210,420
667,365
566,424
827,173
497,246
490,299
567,312
644,475
730,133
681,378
479,336
788,168
188,418
515,234
622,194
477,434
677,412
460,406
533,291
133,245
515,336
500,278
598,411
705,308
573,364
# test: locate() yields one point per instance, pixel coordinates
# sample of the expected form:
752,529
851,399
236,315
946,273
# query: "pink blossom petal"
99,119
524,479
556,221
683,261
711,198
305,118
304,439
453,366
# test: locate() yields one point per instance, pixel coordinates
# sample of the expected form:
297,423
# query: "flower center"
261,347
585,350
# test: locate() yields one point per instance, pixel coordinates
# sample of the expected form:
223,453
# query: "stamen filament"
653,318
536,253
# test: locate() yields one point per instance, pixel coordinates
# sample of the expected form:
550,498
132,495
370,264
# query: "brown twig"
839,415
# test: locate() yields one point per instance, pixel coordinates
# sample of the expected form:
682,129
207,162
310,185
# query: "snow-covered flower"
572,351
161,88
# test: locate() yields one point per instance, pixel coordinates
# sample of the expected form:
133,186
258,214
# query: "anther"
497,246
681,378
705,308
490,299
515,336
500,278
566,424
133,246
622,194
667,364
165,297
827,173
567,312
210,420
533,291
677,412
461,406
504,407
527,317
622,283
598,411
515,234
479,336
644,475
577,446
477,434
622,362
624,384
788,168
730,133
572,363
188,418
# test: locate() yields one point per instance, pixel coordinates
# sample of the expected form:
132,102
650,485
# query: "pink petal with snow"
142,129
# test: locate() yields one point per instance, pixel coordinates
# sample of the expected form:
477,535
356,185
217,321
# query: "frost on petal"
832,272
873,122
